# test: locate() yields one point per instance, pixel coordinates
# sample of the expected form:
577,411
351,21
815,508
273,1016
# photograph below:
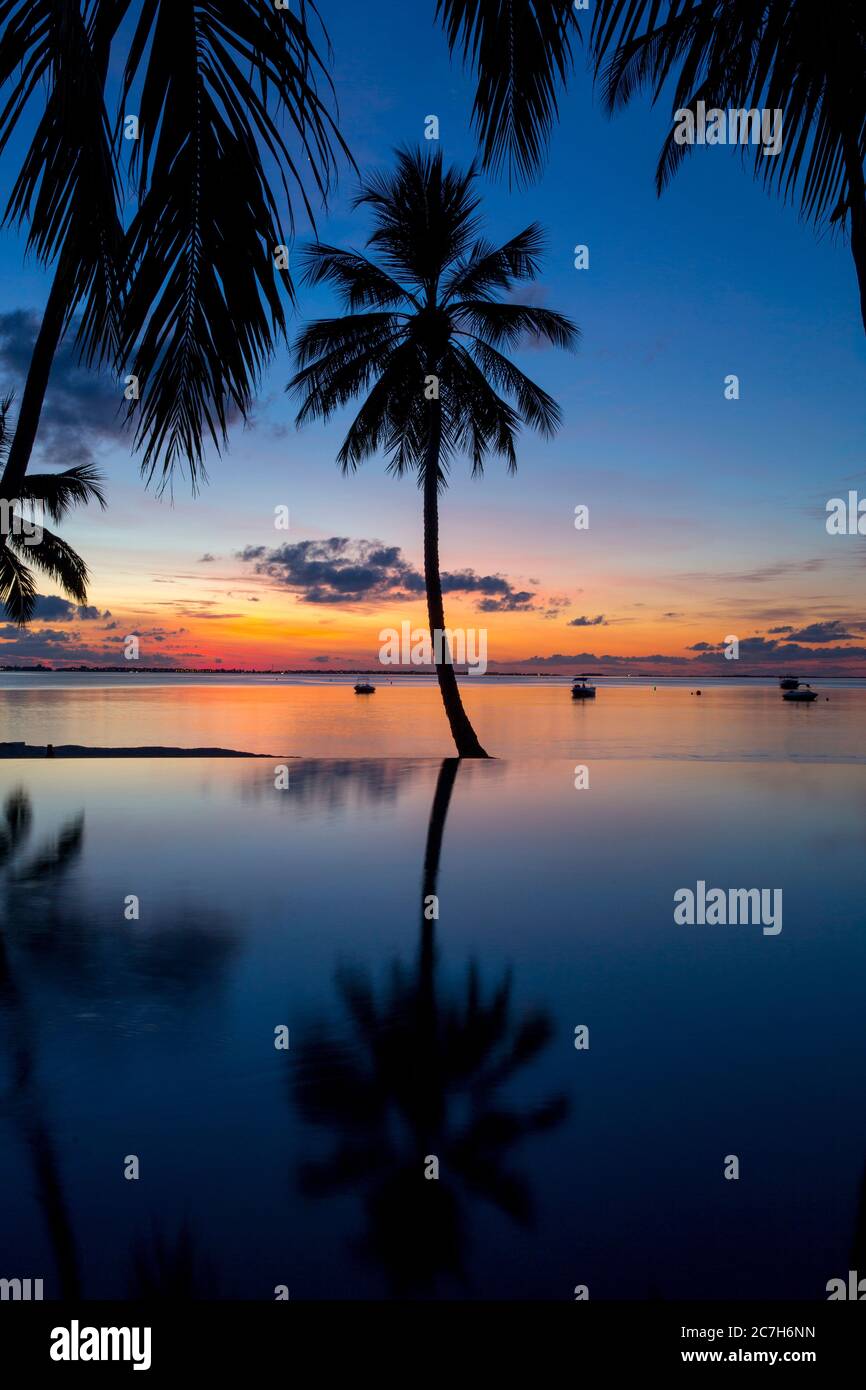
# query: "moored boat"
789,683
802,695
581,689
365,688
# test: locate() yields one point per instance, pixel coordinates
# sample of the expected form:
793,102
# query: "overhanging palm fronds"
804,60
521,54
219,80
67,187
234,107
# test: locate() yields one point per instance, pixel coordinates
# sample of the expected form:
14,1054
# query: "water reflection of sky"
730,721
261,907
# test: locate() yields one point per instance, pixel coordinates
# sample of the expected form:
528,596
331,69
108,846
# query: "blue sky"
708,509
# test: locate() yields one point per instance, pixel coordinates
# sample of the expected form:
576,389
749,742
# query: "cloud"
343,571
830,631
821,633
599,621
52,608
555,603
206,559
591,659
519,601
82,407
766,657
763,574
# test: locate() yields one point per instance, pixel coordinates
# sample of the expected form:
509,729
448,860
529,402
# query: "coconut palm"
56,494
187,294
424,1071
807,60
420,341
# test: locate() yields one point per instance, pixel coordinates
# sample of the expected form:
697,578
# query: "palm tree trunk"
45,347
54,318
461,730
857,207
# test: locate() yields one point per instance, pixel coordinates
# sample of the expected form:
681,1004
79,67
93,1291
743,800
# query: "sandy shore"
77,750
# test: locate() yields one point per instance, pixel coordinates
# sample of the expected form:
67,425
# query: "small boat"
581,689
789,683
365,688
802,695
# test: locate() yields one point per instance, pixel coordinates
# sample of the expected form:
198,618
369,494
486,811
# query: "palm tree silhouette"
805,59
421,340
420,1076
25,1100
37,923
55,493
522,55
787,54
187,294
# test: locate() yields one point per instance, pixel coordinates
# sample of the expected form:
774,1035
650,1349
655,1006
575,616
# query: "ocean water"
415,1037
531,718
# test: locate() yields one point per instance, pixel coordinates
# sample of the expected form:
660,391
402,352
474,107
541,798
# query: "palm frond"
205,308
785,55
392,417
510,325
58,492
55,557
5,436
425,216
337,376
17,586
359,282
536,407
488,268
67,187
344,337
521,54
486,422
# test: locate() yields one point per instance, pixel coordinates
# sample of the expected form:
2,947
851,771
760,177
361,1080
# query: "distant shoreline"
423,674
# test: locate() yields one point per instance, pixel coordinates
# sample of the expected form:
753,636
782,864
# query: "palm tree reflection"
25,1099
44,935
423,1073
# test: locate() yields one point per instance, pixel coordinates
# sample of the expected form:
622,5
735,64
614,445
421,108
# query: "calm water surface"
454,1037
730,720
